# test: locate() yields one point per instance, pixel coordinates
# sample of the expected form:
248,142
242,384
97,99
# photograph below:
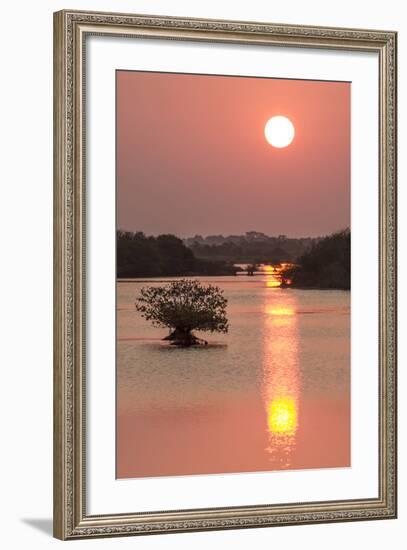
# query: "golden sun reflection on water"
281,377
279,310
275,275
273,282
282,416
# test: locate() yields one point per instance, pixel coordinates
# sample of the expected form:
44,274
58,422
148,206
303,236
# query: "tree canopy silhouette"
162,256
326,265
183,306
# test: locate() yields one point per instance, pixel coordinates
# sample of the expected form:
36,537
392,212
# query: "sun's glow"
268,268
279,131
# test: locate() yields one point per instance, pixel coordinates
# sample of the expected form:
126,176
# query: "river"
272,394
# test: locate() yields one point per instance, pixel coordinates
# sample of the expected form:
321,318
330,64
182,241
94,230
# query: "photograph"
233,274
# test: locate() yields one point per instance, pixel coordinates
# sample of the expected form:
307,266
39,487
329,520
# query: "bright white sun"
279,131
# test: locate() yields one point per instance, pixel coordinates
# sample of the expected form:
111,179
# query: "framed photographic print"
225,274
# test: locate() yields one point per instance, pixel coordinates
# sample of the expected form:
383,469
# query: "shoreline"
232,279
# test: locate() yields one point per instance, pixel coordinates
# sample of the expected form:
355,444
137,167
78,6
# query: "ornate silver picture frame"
72,519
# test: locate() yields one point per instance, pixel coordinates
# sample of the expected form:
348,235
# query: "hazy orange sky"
192,157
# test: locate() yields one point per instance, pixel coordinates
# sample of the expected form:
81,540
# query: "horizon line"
275,236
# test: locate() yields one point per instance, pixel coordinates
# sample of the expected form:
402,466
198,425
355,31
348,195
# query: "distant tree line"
253,247
139,255
326,265
324,262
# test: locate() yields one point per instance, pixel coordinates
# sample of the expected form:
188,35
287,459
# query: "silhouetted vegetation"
252,248
184,306
326,265
162,256
323,263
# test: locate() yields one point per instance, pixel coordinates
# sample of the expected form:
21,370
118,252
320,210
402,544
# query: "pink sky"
192,157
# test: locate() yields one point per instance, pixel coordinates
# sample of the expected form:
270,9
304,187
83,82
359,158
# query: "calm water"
272,394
